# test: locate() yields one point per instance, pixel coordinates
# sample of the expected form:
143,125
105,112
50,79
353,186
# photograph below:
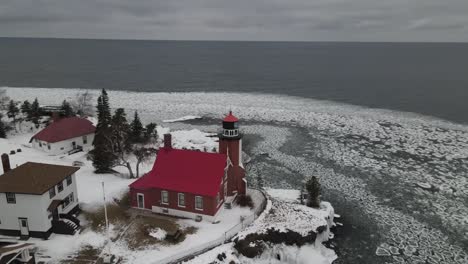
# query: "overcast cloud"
292,20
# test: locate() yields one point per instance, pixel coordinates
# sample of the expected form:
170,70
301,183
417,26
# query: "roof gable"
34,178
64,129
185,171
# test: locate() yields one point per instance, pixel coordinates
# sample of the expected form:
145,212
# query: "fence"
226,237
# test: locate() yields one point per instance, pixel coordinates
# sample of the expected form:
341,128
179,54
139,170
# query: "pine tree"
121,143
136,129
13,110
35,112
26,109
313,190
2,128
102,154
150,133
67,110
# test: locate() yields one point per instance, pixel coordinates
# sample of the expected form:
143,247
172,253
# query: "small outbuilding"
65,135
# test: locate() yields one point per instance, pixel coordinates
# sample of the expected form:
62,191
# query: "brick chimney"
55,116
6,163
167,141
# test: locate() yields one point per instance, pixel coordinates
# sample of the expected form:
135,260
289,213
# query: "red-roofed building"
64,135
193,184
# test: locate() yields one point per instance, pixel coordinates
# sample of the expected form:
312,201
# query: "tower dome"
230,126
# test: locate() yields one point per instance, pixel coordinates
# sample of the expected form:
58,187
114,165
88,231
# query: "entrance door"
24,228
141,200
55,214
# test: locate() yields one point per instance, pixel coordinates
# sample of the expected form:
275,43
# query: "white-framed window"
48,146
68,200
140,200
85,140
52,192
11,198
60,187
69,180
198,202
181,200
164,197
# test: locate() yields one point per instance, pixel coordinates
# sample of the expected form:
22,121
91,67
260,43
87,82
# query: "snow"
158,233
184,118
282,213
90,196
388,151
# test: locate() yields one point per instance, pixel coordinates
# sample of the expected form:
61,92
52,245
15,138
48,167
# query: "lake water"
425,78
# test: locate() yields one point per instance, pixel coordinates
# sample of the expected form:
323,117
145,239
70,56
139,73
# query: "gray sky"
292,20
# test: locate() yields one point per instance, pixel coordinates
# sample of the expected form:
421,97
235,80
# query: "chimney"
55,116
6,163
167,141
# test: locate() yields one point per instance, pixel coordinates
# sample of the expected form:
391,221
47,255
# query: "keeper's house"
38,199
65,135
193,184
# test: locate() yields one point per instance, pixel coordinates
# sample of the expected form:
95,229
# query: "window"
11,198
48,146
164,197
181,200
68,200
85,140
198,202
69,180
52,192
40,144
60,187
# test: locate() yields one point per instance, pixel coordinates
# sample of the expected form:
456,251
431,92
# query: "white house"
38,199
65,135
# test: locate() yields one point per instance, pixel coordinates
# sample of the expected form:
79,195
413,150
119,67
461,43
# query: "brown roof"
34,178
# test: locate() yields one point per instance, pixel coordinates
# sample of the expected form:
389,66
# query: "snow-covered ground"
375,160
283,213
90,196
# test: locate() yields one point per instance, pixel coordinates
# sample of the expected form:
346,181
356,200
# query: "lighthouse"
230,144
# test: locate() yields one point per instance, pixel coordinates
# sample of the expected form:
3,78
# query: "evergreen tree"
102,154
26,109
136,129
313,190
35,112
67,110
121,143
2,128
13,110
150,133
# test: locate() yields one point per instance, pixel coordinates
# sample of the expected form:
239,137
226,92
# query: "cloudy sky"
292,20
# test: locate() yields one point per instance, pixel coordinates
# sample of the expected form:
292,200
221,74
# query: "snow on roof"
187,171
65,128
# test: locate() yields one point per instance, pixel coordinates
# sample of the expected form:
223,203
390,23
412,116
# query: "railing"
224,238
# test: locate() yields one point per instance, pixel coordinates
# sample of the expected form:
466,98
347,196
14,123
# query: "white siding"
34,208
64,146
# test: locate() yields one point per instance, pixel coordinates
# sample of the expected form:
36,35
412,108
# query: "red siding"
153,198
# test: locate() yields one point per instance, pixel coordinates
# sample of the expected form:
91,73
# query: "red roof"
65,128
185,171
230,118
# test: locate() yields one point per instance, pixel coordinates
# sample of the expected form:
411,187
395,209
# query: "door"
74,144
141,200
55,214
24,228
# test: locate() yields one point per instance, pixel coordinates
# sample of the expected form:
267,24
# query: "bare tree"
142,154
4,99
82,104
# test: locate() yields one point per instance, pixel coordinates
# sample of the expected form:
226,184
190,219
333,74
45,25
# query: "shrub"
245,200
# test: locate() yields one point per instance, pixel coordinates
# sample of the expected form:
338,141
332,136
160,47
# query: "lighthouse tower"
230,143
